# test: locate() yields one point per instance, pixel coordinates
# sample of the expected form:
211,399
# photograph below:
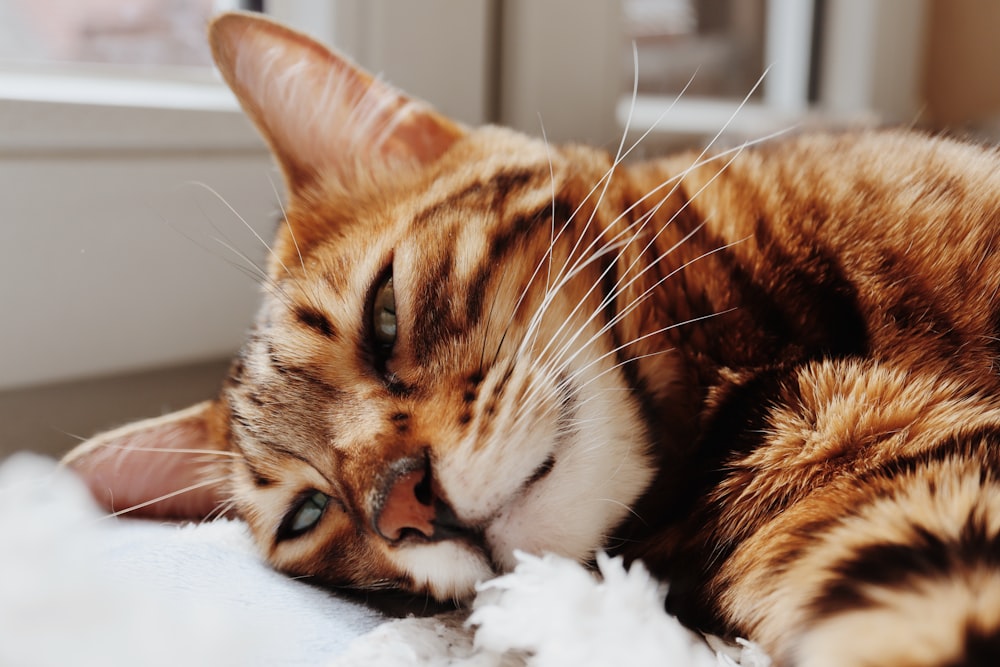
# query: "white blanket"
79,589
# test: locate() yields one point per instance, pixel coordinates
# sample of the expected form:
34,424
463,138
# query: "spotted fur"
770,372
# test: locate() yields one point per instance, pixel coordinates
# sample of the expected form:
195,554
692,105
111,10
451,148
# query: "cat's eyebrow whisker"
288,224
312,297
258,273
239,217
273,288
250,268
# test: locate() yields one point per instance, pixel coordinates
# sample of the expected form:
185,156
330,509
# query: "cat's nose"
408,507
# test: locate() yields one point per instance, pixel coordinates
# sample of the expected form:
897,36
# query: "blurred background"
131,188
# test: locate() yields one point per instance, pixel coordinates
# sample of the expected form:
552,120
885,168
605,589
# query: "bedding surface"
82,589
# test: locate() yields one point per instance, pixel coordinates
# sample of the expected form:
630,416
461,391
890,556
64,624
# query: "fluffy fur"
768,373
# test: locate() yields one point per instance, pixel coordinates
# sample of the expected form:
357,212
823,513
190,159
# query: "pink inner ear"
164,468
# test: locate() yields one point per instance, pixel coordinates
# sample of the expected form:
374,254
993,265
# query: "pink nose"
408,506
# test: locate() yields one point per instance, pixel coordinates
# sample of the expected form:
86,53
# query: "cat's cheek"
572,510
541,522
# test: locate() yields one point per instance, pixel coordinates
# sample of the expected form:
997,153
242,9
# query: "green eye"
304,515
384,316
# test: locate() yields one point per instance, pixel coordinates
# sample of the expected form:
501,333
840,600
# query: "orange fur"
770,373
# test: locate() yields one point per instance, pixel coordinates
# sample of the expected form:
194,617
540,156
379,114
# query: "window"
709,49
124,32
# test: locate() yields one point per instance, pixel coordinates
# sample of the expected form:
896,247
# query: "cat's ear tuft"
322,115
171,467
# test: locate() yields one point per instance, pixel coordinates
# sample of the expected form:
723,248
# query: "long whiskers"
604,180
239,217
187,489
677,179
313,298
246,266
558,359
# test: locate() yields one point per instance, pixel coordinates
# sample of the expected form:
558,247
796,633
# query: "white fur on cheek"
601,465
595,479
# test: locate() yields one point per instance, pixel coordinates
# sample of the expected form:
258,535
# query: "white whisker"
239,217
187,489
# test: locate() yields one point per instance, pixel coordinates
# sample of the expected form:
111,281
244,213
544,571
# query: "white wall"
97,270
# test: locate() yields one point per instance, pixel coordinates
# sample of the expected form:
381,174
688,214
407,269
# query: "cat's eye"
383,316
304,515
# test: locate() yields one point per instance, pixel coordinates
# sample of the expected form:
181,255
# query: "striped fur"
769,373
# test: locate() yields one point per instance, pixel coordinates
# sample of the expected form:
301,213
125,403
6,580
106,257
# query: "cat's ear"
169,467
320,113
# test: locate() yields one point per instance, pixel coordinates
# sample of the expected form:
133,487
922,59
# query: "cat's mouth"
414,510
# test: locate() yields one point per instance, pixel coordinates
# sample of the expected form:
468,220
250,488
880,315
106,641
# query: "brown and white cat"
769,373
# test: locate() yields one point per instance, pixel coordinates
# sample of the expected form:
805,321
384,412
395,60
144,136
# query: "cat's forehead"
487,180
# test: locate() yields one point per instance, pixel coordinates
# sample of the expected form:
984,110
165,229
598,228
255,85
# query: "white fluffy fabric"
80,589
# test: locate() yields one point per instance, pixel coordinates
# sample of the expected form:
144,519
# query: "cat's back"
848,289
852,242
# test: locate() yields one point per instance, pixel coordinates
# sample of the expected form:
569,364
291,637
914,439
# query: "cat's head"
434,378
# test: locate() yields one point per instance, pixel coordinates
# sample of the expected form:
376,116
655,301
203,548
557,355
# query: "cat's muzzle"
410,508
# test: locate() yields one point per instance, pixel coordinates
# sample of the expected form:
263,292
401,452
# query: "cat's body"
769,373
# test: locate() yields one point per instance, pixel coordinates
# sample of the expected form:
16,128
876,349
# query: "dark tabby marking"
770,373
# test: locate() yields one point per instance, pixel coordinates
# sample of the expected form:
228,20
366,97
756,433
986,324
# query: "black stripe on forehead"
491,193
555,214
437,317
433,319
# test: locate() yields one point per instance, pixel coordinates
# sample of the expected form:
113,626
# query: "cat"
769,372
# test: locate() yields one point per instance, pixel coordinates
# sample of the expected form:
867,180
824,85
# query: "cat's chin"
447,570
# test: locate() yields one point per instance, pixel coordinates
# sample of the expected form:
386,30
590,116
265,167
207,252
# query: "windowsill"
193,88
68,109
698,117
